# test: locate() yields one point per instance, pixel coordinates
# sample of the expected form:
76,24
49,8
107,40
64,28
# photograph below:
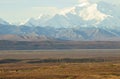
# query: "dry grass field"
61,71
50,66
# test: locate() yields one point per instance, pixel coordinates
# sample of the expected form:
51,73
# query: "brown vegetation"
74,64
106,70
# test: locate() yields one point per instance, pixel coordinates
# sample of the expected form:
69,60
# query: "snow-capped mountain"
81,15
83,22
41,20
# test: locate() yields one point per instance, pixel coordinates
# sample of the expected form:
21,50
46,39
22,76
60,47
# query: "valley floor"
104,70
50,66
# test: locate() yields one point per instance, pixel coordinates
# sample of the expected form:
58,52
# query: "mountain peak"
91,12
84,14
85,10
40,21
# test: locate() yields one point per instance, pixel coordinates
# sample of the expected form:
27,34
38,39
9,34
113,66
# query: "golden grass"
104,70
20,66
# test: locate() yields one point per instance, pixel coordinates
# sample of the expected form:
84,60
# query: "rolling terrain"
56,44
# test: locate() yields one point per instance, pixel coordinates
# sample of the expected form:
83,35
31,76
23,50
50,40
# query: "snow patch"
92,13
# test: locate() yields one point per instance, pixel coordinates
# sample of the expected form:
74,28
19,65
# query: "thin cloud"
82,1
46,10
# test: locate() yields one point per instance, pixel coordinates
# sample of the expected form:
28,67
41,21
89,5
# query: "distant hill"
46,45
12,37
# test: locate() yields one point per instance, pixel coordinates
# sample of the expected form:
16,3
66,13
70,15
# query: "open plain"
60,64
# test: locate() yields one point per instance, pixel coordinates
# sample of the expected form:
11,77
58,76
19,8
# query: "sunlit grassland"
104,70
48,64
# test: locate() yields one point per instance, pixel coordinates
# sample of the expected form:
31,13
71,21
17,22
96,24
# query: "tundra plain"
60,64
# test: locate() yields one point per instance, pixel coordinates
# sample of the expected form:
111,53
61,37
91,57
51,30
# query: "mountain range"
83,22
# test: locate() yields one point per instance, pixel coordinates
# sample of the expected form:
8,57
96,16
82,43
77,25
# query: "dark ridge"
40,45
5,61
61,60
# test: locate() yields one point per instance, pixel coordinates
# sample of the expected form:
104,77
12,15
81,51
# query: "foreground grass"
96,70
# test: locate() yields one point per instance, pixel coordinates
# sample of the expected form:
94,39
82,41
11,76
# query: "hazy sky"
20,10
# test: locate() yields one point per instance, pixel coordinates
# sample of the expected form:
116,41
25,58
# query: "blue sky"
20,10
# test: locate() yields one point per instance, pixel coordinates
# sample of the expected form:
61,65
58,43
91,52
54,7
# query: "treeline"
68,60
63,60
